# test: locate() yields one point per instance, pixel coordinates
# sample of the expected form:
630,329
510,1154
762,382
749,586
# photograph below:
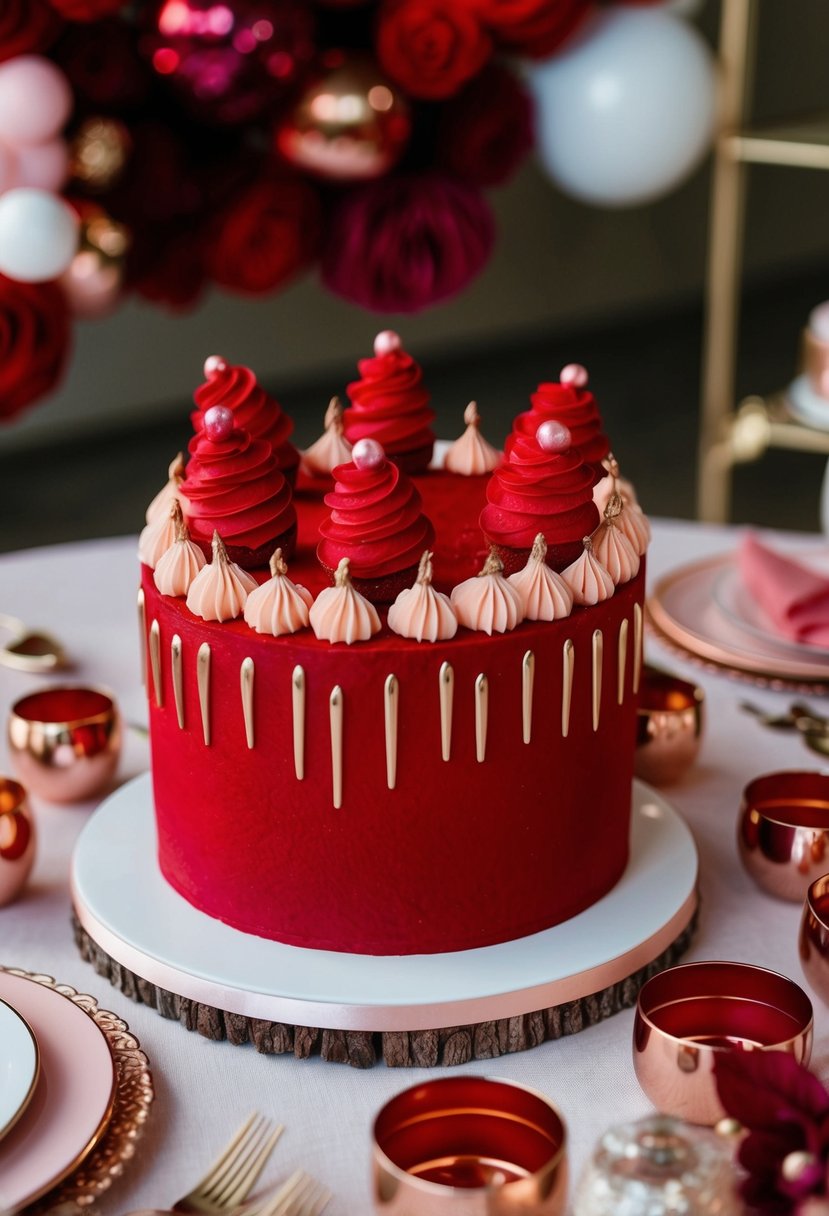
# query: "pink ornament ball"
213,366
35,100
44,166
553,436
574,374
368,454
387,342
8,169
218,423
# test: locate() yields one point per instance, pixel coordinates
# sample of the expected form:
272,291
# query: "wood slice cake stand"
422,1010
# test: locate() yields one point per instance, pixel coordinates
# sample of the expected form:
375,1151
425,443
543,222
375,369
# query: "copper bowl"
783,831
469,1146
65,741
687,1014
813,943
669,726
17,839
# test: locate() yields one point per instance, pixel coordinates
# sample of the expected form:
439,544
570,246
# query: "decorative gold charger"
134,1094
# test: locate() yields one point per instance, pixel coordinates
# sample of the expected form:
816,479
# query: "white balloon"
38,235
626,110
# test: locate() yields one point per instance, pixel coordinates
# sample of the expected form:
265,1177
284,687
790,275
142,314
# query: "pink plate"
73,1100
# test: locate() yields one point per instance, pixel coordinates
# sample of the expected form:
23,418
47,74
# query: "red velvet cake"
456,769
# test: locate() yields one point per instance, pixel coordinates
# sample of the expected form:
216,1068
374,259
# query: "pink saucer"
73,1100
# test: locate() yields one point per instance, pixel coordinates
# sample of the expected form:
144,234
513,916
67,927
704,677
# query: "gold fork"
301,1195
233,1175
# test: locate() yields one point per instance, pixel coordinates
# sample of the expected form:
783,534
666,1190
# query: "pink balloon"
35,100
8,169
43,165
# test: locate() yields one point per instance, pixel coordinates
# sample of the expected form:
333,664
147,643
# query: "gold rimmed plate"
88,1106
683,610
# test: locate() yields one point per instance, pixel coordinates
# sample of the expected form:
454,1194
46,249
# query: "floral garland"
163,147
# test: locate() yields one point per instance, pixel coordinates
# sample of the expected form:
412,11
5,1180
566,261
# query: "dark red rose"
402,243
34,342
86,10
532,27
266,235
170,271
26,26
102,64
487,130
431,47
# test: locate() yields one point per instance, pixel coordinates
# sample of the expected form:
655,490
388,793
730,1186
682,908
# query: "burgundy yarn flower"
487,130
785,1110
431,47
34,342
26,26
402,243
102,64
532,27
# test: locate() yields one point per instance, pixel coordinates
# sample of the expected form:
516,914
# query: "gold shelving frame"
730,435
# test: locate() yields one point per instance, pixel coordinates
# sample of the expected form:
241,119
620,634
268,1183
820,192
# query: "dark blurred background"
620,291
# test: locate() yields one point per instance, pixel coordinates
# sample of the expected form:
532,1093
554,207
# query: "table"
86,594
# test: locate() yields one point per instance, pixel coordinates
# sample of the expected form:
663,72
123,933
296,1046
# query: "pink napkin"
794,598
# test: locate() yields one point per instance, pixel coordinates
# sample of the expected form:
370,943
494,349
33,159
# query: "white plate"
73,1098
734,599
19,1066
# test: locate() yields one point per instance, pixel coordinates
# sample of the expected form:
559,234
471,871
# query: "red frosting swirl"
577,409
233,486
390,403
253,409
376,520
536,491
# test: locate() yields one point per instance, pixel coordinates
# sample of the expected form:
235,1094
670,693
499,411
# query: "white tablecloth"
86,594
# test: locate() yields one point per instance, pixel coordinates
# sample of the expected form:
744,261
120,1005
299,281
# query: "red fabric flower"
431,47
487,130
34,342
26,26
785,1110
102,64
402,243
86,10
171,272
266,235
532,27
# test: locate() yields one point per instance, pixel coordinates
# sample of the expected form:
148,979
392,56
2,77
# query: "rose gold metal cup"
686,1015
813,942
783,831
17,840
669,726
469,1146
65,741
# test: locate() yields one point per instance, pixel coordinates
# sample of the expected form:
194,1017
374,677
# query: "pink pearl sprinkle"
368,454
553,436
214,364
218,422
574,374
386,342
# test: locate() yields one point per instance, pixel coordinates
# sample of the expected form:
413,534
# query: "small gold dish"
65,741
669,726
813,942
469,1146
783,831
687,1015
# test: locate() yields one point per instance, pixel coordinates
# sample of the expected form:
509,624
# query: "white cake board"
130,912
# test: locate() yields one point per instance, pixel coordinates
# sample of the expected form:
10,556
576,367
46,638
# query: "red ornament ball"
230,60
218,422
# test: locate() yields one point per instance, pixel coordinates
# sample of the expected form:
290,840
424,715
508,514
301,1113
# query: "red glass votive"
687,1014
469,1146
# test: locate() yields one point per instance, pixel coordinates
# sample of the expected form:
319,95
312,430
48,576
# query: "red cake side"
275,827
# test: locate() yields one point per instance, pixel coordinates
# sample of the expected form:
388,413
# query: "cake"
446,763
